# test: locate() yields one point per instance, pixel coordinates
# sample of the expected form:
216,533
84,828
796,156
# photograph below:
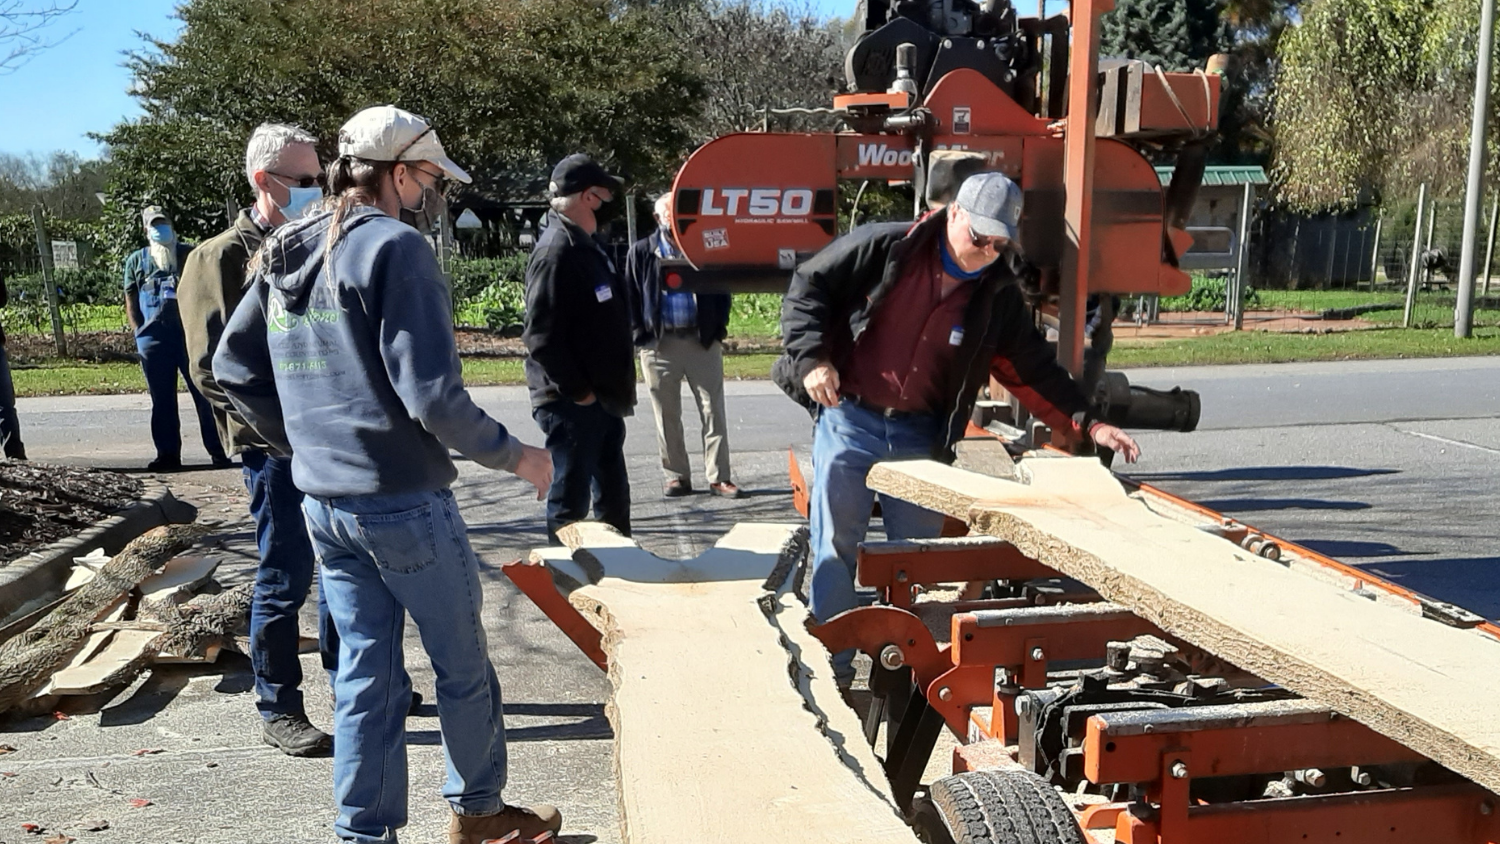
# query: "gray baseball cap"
993,203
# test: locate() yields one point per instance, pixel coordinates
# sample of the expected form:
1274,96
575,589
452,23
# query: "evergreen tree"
1176,34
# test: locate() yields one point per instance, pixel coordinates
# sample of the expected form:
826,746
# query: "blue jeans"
10,424
847,441
282,583
163,354
587,444
385,556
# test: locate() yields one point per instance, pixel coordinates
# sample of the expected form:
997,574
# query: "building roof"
1222,175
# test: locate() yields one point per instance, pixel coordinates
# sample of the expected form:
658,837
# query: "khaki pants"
664,367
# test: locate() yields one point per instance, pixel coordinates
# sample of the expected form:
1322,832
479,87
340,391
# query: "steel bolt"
1023,704
1313,777
1360,777
891,657
1037,655
1179,770
945,694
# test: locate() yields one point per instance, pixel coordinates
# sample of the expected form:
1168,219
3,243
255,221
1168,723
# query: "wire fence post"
1236,300
1375,252
44,252
1463,310
1416,258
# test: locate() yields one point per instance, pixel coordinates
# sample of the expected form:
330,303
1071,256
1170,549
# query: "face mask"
428,210
160,233
299,200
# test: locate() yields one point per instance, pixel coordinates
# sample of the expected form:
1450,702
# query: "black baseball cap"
577,173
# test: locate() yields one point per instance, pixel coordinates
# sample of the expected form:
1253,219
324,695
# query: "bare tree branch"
22,30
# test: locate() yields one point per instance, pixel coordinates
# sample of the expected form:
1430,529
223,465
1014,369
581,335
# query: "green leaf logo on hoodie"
280,321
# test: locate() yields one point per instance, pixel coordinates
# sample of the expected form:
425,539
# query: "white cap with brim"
387,133
993,203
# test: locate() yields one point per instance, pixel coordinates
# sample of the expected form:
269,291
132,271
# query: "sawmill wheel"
995,807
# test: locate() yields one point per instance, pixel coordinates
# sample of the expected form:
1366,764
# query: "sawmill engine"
947,35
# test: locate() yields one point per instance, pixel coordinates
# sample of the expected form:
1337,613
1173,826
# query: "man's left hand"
1116,440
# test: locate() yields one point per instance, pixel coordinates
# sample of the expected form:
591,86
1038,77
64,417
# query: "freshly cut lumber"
98,672
34,655
178,578
728,727
1427,685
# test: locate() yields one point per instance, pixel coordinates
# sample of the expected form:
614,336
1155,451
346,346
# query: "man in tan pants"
679,337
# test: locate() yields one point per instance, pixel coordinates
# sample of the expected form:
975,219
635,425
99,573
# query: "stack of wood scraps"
149,604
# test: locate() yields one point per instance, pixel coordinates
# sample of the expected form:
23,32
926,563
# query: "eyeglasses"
320,180
985,242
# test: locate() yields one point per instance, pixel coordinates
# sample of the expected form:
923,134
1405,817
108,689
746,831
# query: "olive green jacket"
211,286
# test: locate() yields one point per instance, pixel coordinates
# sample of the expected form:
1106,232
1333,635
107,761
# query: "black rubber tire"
1003,807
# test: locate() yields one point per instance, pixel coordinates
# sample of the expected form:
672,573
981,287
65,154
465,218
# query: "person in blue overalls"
151,306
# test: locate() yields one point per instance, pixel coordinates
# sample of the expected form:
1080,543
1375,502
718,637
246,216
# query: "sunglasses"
983,241
320,180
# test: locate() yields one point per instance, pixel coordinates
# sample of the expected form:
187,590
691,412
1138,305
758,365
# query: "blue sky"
80,86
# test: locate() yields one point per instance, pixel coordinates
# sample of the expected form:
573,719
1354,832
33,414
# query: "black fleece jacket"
643,286
834,294
577,322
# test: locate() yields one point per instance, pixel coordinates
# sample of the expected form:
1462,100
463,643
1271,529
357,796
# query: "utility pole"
1489,250
1242,258
44,252
1463,313
1416,259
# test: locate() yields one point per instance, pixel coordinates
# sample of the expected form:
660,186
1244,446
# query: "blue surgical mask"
160,233
299,200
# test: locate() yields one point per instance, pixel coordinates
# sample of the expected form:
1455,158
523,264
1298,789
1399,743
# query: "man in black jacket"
889,333
582,369
679,336
10,424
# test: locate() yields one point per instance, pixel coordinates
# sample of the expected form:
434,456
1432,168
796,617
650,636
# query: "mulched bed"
92,346
41,503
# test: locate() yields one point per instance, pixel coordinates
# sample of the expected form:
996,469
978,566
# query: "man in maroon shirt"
889,333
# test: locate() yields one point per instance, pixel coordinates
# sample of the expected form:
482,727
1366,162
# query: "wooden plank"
99,672
178,578
728,727
1422,683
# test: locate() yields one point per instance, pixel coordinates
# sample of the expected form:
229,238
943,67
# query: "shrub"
1207,294
490,291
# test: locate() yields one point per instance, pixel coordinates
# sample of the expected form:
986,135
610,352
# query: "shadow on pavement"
1267,473
1470,582
1250,505
1342,548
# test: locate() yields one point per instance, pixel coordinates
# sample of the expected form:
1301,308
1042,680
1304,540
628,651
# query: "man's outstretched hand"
823,385
1115,440
535,468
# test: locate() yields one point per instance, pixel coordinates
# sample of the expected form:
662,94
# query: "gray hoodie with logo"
348,361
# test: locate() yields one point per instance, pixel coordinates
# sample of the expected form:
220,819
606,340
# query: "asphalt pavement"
1389,465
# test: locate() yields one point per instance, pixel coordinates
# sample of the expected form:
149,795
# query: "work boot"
676,488
165,463
294,735
477,829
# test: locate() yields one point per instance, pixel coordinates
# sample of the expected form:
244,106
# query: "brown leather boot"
477,829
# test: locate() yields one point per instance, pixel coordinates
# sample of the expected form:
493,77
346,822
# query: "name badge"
603,293
956,336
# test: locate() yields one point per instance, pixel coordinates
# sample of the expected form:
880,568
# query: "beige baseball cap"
387,133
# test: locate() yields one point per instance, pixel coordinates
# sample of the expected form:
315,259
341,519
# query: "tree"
64,182
23,30
1175,34
510,87
1373,97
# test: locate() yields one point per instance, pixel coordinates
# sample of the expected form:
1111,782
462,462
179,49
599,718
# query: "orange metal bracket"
1451,814
535,579
872,629
895,572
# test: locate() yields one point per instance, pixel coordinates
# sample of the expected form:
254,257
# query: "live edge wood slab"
1434,688
728,727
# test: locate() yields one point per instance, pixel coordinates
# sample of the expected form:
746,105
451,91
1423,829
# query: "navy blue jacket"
348,361
643,286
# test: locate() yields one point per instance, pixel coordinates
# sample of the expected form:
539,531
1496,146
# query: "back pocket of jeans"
402,543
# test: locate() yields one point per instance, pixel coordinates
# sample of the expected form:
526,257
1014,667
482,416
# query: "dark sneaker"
165,464
676,488
294,735
477,829
223,463
725,490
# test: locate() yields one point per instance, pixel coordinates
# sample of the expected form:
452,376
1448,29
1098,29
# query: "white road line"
1459,443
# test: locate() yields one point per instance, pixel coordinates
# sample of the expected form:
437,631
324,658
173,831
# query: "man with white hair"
151,306
281,165
679,336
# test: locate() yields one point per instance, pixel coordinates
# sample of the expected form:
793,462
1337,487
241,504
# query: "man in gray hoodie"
342,354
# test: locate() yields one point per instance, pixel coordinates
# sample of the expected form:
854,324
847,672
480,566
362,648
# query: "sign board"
65,254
